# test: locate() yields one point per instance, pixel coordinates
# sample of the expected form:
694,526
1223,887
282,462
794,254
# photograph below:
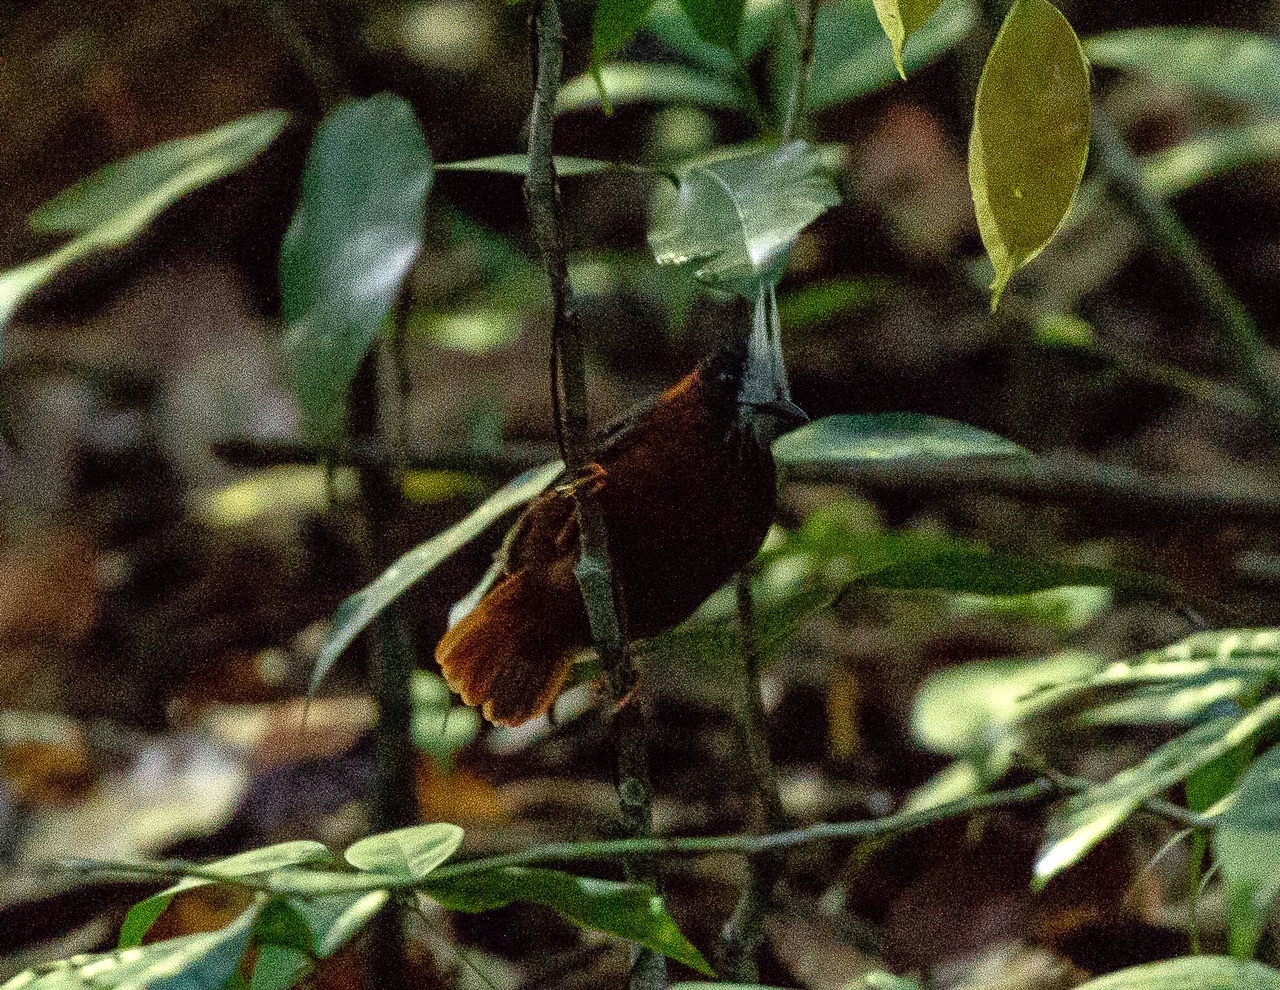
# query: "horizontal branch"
1049,785
1053,480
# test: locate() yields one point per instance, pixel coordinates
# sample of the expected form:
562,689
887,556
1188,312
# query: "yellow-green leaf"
900,20
1030,136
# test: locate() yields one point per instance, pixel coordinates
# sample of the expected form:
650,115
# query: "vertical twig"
744,931
806,15
1239,341
391,662
605,611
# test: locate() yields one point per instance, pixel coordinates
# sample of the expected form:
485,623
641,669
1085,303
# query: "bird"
687,487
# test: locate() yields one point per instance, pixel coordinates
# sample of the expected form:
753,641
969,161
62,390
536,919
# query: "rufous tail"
513,652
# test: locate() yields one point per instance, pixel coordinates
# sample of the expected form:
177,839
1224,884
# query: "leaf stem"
605,610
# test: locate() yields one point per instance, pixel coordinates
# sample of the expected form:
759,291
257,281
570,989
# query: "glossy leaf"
900,20
115,204
352,241
1198,972
358,610
144,914
1236,65
632,82
888,436
717,22
1030,136
1246,845
629,911
614,23
671,26
407,853
566,167
851,57
209,959
736,218
1088,818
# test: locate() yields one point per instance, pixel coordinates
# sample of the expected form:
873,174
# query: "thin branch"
1037,791
605,610
744,932
806,16
1051,479
1239,340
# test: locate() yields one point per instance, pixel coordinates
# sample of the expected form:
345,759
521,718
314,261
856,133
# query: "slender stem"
806,16
1239,340
391,661
744,932
605,610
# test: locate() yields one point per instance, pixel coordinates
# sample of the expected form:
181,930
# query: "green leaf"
1246,845
888,436
900,20
614,23
407,853
631,82
629,911
716,21
144,914
280,924
1202,158
355,235
566,167
1087,818
114,205
851,58
1231,64
1030,136
1198,972
669,24
332,922
815,304
736,218
970,708
191,962
358,610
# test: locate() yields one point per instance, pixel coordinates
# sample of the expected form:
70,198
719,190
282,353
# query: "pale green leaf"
736,218
144,914
190,962
1246,845
849,439
1236,65
1191,973
1030,136
629,911
566,166
1088,818
633,82
358,610
355,235
900,20
114,205
1205,157
407,853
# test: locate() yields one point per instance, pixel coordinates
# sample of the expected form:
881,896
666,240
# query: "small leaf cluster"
307,905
